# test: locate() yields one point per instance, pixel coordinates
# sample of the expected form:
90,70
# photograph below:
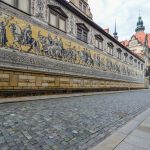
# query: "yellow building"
54,45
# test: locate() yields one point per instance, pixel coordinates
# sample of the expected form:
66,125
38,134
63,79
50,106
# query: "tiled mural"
25,37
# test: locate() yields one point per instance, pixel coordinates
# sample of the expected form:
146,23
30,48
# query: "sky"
126,13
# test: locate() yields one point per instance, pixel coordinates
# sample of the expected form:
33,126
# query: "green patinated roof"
140,26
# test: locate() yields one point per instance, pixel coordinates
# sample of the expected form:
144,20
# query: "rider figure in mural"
3,38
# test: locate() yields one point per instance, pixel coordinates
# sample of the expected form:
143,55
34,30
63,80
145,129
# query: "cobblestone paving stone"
67,123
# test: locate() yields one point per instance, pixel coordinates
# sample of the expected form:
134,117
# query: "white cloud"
125,11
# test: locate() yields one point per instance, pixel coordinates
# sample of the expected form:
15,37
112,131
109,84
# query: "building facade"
140,44
54,45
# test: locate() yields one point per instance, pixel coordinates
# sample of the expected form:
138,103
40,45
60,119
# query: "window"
135,62
139,64
125,57
57,17
131,60
53,19
119,53
99,42
110,48
82,32
82,6
23,5
142,67
62,24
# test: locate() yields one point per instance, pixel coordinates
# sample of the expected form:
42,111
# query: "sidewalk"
133,136
33,98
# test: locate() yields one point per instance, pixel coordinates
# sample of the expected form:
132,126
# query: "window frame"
125,57
99,40
62,18
16,6
82,6
110,48
131,60
135,63
55,14
58,17
82,33
119,51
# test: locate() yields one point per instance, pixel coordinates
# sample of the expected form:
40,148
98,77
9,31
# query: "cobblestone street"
67,123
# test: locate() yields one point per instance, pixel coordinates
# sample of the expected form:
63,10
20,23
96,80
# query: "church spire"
115,33
140,26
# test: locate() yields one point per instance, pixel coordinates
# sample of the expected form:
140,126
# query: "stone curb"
33,98
111,142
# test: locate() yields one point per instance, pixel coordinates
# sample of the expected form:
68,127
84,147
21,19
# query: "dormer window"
57,17
110,47
82,6
23,5
119,51
82,32
99,42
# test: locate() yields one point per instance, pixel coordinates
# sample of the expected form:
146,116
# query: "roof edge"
96,26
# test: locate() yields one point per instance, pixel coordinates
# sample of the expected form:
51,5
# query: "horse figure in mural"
85,58
70,55
47,45
24,37
51,48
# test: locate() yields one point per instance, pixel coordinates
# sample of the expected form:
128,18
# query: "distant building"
140,44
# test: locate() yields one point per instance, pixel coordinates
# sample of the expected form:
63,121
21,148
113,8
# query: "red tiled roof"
125,43
140,36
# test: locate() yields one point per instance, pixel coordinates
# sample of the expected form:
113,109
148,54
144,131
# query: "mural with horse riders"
25,37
